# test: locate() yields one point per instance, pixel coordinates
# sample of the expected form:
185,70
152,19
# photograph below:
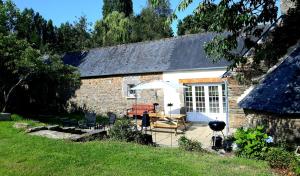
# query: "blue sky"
67,10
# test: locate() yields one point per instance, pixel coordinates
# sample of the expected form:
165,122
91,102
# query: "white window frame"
129,91
206,93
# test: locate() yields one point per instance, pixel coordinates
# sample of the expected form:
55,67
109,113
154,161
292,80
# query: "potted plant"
228,143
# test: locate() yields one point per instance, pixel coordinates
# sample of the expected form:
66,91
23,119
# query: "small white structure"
204,98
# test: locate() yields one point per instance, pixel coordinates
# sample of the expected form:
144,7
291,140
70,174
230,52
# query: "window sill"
131,97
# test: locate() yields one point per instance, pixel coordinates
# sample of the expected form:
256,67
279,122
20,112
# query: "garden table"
173,122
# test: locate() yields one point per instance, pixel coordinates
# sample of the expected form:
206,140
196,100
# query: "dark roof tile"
178,53
279,92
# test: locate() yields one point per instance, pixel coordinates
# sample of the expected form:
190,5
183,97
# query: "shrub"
123,131
189,145
16,117
280,158
144,139
251,142
296,166
102,119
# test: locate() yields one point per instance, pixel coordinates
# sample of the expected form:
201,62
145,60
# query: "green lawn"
22,154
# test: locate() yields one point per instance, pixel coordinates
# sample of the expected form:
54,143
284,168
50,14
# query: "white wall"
176,96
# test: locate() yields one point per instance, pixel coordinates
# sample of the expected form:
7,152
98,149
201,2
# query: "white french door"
205,102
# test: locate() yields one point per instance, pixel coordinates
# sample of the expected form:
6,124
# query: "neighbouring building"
275,101
109,73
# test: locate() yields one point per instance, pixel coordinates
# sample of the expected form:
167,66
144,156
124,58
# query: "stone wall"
284,128
109,94
237,116
285,5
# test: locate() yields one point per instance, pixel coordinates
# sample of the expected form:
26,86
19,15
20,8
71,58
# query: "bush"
16,117
189,145
102,119
296,166
123,131
251,142
280,158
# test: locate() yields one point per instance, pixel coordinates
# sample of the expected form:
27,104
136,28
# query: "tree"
24,69
239,18
83,35
192,24
150,25
73,37
49,37
114,29
17,64
28,77
121,6
66,40
8,16
163,8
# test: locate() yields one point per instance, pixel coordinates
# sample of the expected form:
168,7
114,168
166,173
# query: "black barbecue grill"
217,126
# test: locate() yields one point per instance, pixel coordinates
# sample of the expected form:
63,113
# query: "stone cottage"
109,73
275,101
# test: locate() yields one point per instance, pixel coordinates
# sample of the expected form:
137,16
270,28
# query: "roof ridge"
280,61
151,41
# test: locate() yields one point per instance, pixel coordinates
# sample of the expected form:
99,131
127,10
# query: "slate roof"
279,92
177,53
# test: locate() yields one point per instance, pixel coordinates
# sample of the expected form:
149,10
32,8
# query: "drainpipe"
227,108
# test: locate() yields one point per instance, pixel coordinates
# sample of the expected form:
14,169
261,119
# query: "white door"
205,102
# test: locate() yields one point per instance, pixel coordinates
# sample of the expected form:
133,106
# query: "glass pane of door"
200,98
224,93
213,95
188,96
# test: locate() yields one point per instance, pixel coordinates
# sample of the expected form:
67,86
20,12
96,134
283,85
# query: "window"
205,98
213,95
200,98
130,93
188,96
224,93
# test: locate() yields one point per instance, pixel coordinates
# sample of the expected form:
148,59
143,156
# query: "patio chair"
89,121
112,118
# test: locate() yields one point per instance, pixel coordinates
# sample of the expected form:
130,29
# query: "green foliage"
18,61
280,158
122,130
283,37
117,28
114,29
193,24
243,20
121,6
162,8
17,117
8,16
251,142
149,25
189,145
74,37
43,82
296,166
102,119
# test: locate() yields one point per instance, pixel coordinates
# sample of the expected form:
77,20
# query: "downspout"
227,108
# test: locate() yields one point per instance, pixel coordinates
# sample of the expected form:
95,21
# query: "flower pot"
5,116
227,144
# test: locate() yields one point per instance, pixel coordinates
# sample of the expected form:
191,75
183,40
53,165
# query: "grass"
22,154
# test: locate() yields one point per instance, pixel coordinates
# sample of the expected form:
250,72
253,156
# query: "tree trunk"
6,96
